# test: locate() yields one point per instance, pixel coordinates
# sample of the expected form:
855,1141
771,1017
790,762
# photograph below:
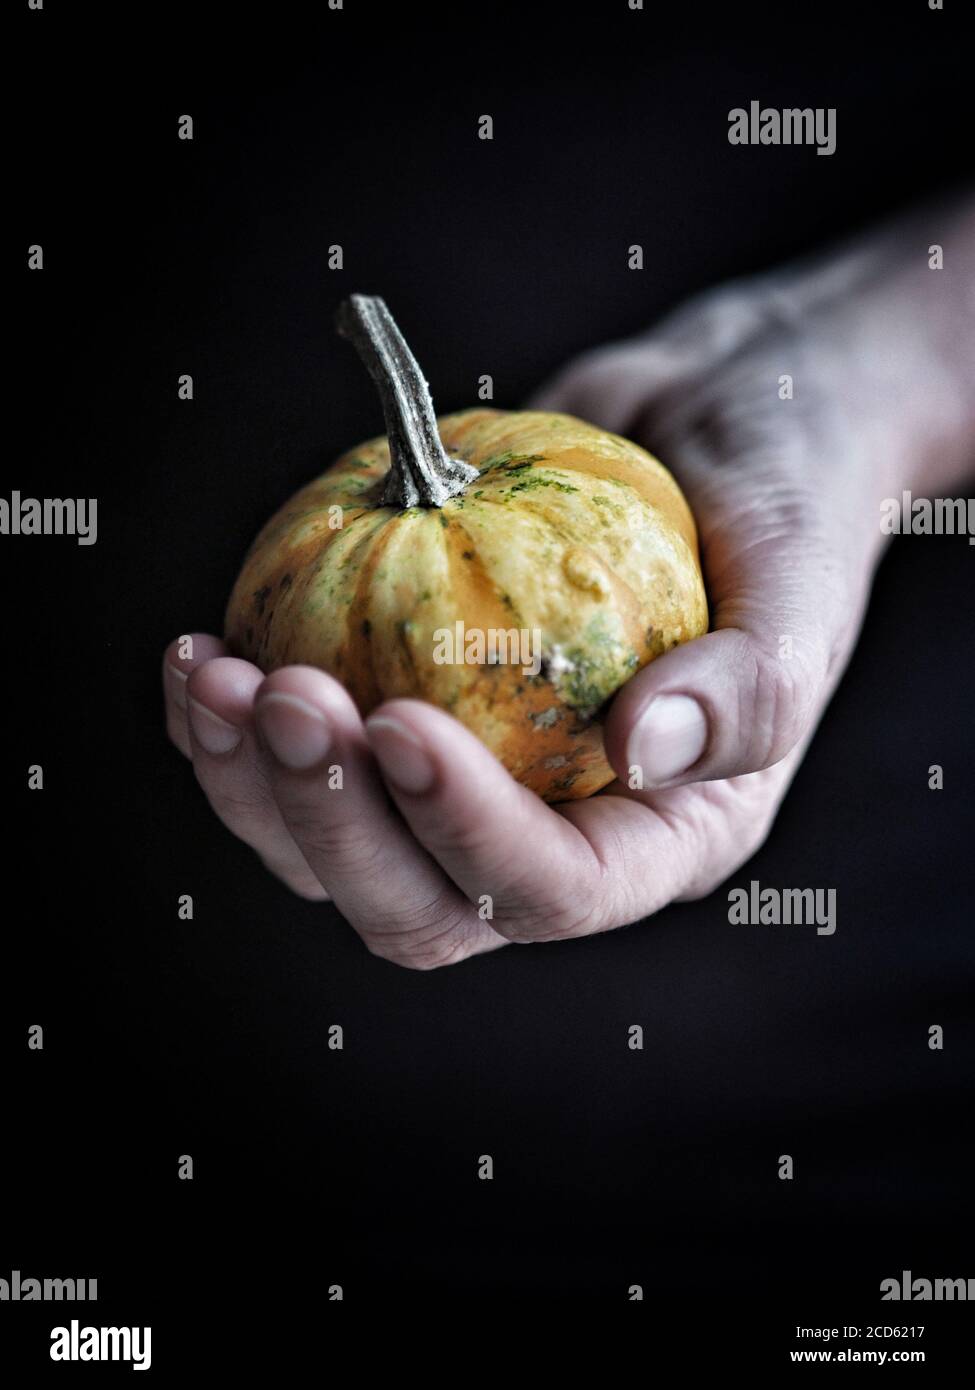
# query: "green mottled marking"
598,666
510,458
530,484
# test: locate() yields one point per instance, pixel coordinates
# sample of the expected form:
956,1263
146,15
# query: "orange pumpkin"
516,580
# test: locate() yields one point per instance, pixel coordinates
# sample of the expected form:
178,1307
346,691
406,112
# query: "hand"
429,848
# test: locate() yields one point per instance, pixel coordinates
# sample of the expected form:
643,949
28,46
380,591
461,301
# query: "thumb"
741,697
785,583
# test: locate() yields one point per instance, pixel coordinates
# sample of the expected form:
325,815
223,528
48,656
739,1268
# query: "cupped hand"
424,842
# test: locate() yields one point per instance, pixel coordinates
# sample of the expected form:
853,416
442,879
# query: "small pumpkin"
512,567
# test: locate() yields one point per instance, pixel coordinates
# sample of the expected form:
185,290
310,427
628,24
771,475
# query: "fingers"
505,849
334,805
176,670
230,767
473,859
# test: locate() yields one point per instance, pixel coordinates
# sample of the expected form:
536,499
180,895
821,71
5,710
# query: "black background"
209,1037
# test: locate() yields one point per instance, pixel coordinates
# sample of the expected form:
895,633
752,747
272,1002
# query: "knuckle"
468,836
244,809
422,939
350,843
570,915
785,695
413,960
713,322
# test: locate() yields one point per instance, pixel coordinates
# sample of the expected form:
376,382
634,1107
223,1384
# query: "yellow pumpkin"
562,559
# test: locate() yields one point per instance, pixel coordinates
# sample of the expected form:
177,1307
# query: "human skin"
787,494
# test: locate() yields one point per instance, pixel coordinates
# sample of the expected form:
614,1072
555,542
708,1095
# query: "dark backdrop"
209,1037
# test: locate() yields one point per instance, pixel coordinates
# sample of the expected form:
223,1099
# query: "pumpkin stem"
421,472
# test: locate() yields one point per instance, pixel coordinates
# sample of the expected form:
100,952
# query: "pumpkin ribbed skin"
568,530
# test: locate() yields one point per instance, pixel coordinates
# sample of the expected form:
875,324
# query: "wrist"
892,315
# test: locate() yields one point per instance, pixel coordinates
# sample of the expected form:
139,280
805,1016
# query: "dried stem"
421,473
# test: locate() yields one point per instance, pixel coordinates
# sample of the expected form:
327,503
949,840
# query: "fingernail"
296,732
214,733
669,737
403,760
